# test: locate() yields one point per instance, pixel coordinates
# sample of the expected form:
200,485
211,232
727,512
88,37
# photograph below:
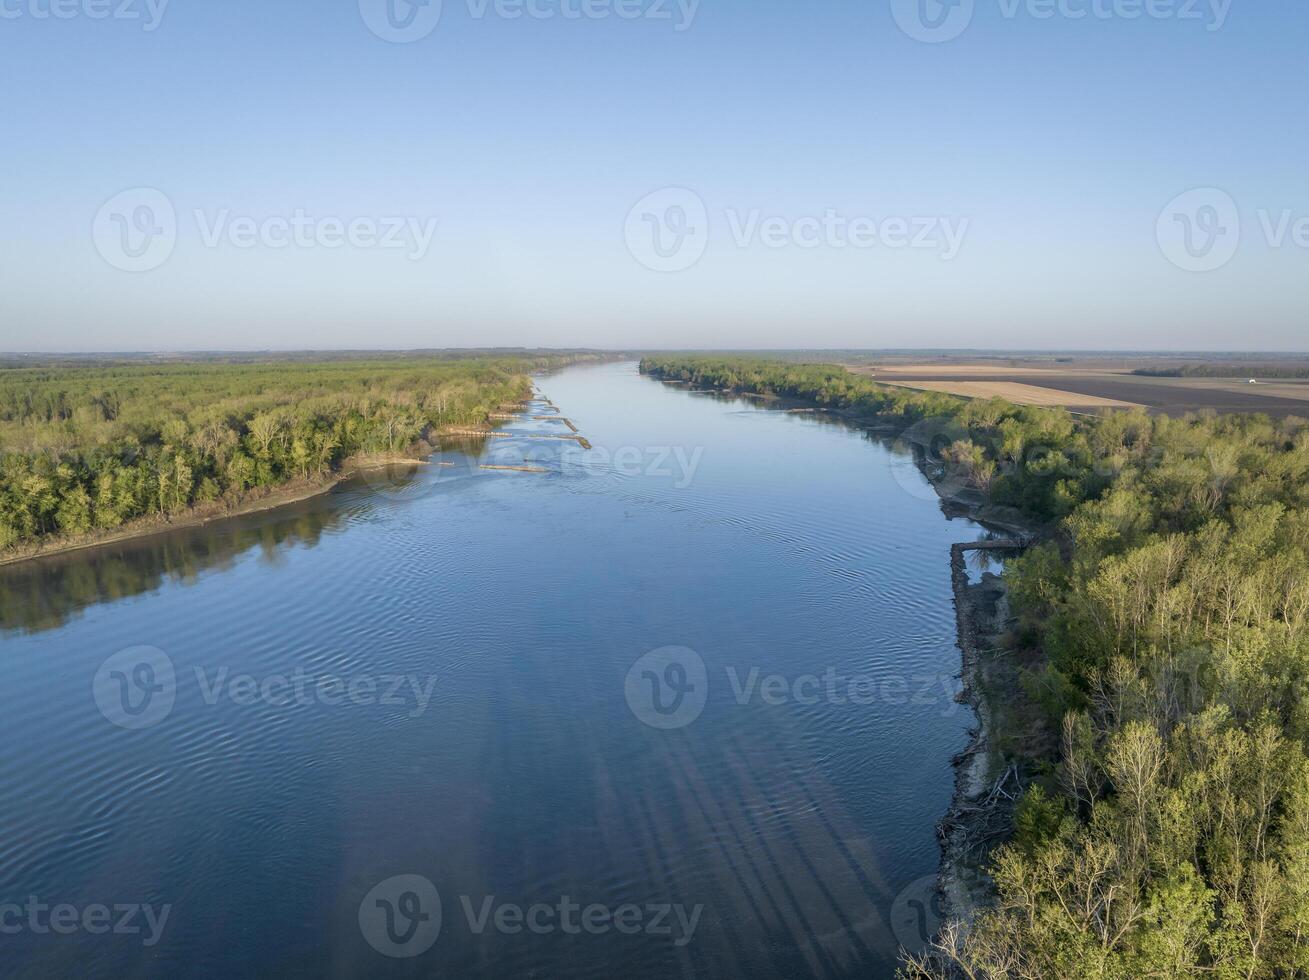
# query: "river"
680,706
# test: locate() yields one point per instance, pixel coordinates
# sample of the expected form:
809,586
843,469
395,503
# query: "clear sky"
607,173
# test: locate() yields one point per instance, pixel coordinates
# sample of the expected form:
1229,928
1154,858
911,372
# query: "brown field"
959,370
1093,384
1295,390
1013,391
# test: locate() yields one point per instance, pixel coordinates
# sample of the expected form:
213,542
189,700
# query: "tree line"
90,449
1209,369
1168,836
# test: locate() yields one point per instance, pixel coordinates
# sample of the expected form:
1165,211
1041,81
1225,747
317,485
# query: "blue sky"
816,176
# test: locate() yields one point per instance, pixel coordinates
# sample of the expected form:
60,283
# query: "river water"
680,706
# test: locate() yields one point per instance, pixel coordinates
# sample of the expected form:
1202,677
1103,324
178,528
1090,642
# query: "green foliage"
92,448
1037,820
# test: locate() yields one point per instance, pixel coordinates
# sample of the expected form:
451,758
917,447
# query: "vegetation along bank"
89,453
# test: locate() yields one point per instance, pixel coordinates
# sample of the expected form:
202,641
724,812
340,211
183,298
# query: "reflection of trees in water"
983,561
46,593
791,882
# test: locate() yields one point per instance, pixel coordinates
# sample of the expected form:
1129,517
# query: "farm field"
1016,392
1096,384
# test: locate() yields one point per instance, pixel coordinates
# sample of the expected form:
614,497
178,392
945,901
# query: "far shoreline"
285,495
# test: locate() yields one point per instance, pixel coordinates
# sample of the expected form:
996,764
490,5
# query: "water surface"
791,795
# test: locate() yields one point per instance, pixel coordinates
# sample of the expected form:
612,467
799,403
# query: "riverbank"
200,515
987,784
256,501
128,444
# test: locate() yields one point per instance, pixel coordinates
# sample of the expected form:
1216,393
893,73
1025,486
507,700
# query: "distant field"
1293,390
964,370
1094,385
1019,394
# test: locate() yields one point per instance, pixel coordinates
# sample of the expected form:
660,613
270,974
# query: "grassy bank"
1165,832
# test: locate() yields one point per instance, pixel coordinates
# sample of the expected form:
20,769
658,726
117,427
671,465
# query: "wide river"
680,706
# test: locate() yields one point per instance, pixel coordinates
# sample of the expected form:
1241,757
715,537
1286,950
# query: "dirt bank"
985,787
986,784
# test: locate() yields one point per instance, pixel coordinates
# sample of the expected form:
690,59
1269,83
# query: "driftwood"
479,433
976,823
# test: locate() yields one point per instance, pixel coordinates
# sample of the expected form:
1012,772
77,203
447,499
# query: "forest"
94,448
1168,834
